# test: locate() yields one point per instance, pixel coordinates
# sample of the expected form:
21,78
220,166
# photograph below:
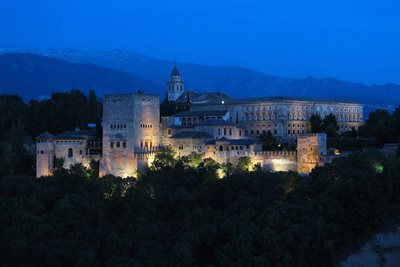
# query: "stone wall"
311,151
44,157
286,118
130,124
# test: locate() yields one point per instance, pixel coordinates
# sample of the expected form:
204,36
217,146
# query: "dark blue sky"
355,40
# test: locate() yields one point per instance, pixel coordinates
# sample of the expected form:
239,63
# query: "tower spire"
175,85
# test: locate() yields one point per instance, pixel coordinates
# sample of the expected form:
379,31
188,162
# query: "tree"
193,159
164,159
244,165
167,108
380,124
58,163
268,141
330,126
315,123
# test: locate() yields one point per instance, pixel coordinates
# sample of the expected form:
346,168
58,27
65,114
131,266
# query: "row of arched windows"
178,88
117,126
144,125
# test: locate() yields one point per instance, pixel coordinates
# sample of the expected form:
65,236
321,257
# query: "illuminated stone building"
131,132
73,147
216,126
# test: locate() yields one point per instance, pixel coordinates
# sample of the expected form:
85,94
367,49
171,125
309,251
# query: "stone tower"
44,154
130,128
175,85
311,150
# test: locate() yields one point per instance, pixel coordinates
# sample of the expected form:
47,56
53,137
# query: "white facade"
175,85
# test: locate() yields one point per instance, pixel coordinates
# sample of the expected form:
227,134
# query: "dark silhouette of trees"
328,124
21,122
268,141
316,123
180,215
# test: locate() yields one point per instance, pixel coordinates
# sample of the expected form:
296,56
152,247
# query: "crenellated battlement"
129,96
276,153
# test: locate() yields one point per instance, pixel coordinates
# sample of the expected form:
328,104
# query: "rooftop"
214,122
216,99
192,134
198,113
231,141
80,135
175,71
45,135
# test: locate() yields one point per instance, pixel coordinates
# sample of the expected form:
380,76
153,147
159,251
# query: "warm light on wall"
280,165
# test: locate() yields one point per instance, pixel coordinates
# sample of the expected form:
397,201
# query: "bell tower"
175,85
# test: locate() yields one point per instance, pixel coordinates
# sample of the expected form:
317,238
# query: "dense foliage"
180,215
381,127
21,122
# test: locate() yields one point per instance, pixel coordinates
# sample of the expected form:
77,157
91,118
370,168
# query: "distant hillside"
35,76
235,81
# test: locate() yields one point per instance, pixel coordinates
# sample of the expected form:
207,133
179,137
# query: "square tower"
130,126
311,149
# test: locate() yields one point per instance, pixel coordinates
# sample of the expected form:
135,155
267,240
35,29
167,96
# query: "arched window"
70,153
221,148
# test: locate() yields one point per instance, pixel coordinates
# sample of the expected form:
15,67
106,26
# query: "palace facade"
216,126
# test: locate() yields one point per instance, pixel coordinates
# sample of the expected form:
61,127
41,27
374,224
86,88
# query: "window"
230,131
240,132
124,144
224,131
80,152
70,153
112,144
118,144
141,143
219,131
169,131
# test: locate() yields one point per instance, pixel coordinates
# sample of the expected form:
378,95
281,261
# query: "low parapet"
276,153
128,96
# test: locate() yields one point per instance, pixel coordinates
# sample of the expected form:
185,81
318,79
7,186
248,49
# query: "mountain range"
33,73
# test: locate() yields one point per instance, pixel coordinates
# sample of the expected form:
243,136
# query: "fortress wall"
130,123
